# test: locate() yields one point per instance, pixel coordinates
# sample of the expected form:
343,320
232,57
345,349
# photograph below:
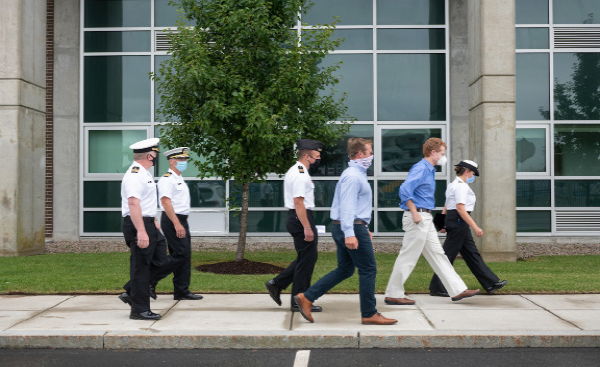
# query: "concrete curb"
167,339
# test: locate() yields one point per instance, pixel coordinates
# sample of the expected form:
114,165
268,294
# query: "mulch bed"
240,267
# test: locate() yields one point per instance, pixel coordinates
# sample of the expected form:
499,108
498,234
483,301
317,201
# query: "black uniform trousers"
144,263
460,240
179,261
300,271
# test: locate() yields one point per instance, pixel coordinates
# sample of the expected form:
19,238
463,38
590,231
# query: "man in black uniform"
299,198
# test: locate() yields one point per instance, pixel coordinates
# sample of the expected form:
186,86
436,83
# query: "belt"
146,219
309,211
356,221
182,216
423,210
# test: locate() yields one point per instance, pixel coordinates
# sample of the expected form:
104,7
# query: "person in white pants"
417,199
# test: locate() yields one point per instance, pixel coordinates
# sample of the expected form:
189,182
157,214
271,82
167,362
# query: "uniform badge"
301,169
135,169
167,174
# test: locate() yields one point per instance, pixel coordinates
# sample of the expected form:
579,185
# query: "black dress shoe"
439,294
314,308
146,315
152,292
496,286
274,291
188,297
126,298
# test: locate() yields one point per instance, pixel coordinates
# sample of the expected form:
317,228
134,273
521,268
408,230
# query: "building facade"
511,84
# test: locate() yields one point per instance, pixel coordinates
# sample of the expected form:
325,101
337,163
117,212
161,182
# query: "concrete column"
492,92
66,121
22,126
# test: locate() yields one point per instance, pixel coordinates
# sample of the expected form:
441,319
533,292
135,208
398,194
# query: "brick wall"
49,113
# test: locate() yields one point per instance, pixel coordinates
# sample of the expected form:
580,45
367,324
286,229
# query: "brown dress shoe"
304,306
399,301
466,294
378,319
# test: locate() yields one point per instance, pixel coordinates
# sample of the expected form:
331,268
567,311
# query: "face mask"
442,161
365,162
181,166
315,164
153,160
471,179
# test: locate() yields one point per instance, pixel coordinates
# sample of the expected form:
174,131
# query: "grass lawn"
107,272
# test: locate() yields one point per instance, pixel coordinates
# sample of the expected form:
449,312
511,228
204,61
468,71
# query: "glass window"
533,193
334,160
388,193
356,79
411,39
117,89
355,39
533,89
109,150
207,194
576,11
166,15
102,222
577,150
531,150
402,148
102,194
576,86
117,13
157,97
531,11
323,218
260,221
351,12
117,41
529,38
534,221
325,190
266,194
411,87
410,12
392,221
577,193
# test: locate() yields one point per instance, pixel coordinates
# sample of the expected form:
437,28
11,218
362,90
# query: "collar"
354,163
142,168
173,172
428,165
459,179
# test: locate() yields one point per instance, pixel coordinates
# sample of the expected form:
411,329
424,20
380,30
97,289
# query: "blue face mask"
471,179
181,166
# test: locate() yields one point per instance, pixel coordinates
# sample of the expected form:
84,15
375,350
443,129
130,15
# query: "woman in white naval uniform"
460,201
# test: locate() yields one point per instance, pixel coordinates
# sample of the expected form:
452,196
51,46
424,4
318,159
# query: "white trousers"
422,239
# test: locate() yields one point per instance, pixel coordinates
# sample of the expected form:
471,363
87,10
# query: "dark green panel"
576,193
411,39
402,148
108,150
260,221
528,38
410,12
207,194
334,159
576,86
533,90
268,194
392,221
117,41
411,87
102,194
576,150
534,221
533,193
350,12
576,11
102,222
531,11
388,195
117,13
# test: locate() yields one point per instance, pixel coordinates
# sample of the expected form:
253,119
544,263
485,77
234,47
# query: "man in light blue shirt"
351,214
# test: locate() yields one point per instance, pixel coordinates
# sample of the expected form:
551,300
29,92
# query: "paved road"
530,357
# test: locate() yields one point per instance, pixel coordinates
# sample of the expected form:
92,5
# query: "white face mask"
365,162
442,161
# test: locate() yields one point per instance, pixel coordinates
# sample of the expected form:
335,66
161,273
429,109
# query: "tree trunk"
241,246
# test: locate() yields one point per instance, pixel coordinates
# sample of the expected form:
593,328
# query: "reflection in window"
411,39
534,221
268,194
577,150
577,86
390,221
165,15
334,160
533,193
351,12
354,39
533,91
531,11
577,193
157,97
109,149
260,221
402,148
102,222
528,38
117,13
388,193
410,12
531,150
411,87
576,12
207,194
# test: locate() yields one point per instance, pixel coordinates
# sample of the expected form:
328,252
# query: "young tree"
242,86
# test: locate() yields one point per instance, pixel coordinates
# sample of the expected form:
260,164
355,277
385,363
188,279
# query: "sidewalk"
255,321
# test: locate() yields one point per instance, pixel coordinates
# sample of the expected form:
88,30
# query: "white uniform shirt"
138,182
459,192
172,186
297,183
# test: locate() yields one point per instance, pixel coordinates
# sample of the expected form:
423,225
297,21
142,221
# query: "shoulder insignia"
460,182
301,169
167,174
135,169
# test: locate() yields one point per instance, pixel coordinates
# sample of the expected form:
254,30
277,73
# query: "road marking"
302,357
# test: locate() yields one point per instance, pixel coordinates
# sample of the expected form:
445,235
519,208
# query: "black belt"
356,221
423,210
182,216
145,219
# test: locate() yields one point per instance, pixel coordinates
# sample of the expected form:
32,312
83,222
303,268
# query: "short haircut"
302,152
433,144
355,145
140,156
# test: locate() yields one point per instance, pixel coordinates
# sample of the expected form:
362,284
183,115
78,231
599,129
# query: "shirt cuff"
349,232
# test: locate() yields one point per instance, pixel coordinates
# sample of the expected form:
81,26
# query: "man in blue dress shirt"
351,214
420,237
